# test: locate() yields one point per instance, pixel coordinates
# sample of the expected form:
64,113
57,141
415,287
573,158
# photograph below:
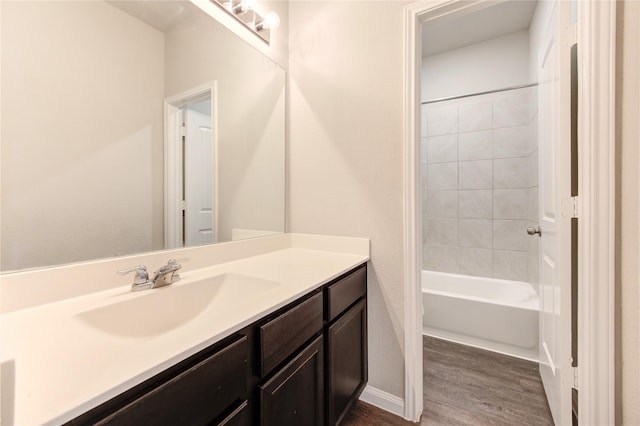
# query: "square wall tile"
440,204
423,151
440,232
533,132
512,141
475,145
441,176
532,209
442,120
473,116
512,173
475,204
442,149
476,262
474,233
475,174
423,121
511,235
510,203
533,168
515,108
510,265
441,259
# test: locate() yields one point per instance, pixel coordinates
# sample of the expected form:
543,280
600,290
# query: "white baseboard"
384,400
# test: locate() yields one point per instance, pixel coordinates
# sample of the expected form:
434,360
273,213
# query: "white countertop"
55,367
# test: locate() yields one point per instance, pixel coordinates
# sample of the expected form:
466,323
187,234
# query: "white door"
555,240
198,179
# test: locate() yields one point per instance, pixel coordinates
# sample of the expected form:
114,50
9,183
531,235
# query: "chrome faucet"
167,274
140,279
164,276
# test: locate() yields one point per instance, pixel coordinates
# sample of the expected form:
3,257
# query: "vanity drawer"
196,396
280,337
345,292
241,416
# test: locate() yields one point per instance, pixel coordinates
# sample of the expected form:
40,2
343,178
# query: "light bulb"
271,21
244,6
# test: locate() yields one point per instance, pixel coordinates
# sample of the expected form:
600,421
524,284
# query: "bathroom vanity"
272,372
292,350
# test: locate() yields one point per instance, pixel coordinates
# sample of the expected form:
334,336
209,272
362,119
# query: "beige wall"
345,162
251,121
73,113
628,206
345,156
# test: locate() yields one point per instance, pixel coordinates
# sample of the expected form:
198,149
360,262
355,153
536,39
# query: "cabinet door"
347,360
295,395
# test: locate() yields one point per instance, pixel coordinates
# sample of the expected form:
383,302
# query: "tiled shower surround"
480,185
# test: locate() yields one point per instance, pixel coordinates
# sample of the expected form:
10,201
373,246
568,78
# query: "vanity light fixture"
244,12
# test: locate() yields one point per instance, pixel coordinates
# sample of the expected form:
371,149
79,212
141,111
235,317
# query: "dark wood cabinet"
295,394
346,361
281,336
304,364
197,394
241,416
346,343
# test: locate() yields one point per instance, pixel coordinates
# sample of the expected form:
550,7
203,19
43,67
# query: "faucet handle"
141,277
174,265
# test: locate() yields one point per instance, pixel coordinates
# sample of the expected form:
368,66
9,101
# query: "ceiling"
161,15
462,30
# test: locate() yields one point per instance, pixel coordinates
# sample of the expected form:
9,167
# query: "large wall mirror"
133,126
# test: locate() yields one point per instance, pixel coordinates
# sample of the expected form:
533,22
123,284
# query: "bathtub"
493,314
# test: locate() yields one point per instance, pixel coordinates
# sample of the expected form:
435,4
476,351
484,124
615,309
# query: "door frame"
596,35
173,106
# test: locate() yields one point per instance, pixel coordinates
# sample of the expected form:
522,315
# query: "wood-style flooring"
469,386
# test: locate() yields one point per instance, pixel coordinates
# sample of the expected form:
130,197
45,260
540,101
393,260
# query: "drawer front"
280,337
345,292
196,396
294,396
241,416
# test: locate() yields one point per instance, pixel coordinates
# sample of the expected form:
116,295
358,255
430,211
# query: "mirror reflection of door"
191,201
198,175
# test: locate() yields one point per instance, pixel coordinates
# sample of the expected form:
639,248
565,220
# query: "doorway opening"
595,32
191,202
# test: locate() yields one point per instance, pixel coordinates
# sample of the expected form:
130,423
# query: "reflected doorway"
191,213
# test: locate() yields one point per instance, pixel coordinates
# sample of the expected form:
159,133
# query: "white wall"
73,113
493,64
345,156
628,205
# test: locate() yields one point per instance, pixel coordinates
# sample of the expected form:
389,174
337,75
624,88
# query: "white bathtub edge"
383,400
480,343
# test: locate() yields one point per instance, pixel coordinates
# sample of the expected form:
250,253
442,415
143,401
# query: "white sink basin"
157,311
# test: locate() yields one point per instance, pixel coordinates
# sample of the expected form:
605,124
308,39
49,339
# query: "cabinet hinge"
571,207
575,377
183,130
